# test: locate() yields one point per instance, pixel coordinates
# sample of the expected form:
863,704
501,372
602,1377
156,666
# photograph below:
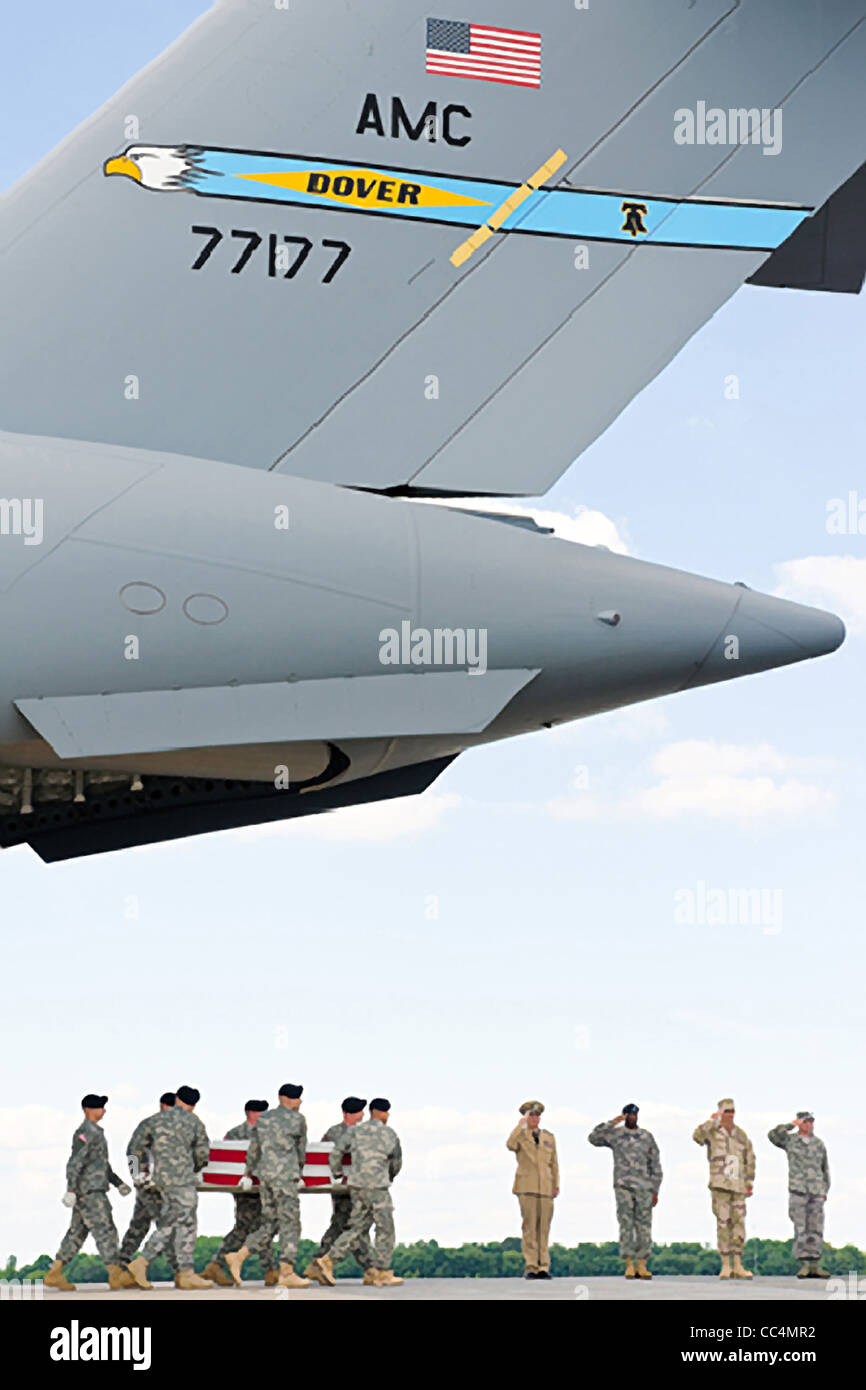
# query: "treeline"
426,1259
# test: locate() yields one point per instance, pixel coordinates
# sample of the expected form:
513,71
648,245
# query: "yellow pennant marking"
501,215
365,188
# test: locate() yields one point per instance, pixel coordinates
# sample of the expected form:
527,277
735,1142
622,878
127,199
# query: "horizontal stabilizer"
345,707
827,251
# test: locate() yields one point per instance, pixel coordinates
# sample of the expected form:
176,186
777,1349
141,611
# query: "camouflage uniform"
732,1170
88,1174
637,1177
808,1185
178,1143
277,1153
341,1205
147,1200
376,1160
248,1211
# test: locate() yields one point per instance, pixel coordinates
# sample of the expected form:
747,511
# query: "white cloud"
380,822
722,781
583,525
837,582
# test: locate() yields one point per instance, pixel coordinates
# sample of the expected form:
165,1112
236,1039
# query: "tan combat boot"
805,1269
371,1276
289,1279
217,1275
629,1269
387,1279
642,1271
739,1272
322,1270
235,1262
725,1271
138,1270
119,1278
56,1279
188,1279
816,1272
272,1276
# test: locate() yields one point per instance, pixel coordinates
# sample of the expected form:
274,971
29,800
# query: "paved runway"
664,1289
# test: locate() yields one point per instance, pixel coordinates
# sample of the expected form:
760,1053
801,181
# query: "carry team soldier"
178,1143
376,1159
808,1185
88,1175
536,1184
637,1176
147,1198
732,1176
248,1212
341,1202
277,1153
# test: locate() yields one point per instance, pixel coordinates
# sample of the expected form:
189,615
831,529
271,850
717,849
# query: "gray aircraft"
319,261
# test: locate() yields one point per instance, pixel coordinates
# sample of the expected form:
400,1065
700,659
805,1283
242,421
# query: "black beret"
167,1098
188,1094
92,1102
380,1103
292,1092
352,1105
256,1105
630,1109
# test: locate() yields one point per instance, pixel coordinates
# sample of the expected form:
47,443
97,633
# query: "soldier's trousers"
145,1215
537,1214
729,1209
341,1210
281,1213
369,1206
807,1213
248,1218
176,1226
91,1215
634,1212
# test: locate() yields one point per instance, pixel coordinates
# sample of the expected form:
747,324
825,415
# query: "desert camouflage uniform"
277,1153
341,1206
147,1201
178,1144
248,1211
88,1174
376,1160
808,1185
637,1176
732,1170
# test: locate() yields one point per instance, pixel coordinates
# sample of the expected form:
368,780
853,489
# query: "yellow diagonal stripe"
501,215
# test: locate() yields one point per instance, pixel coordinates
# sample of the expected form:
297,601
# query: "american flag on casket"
228,1158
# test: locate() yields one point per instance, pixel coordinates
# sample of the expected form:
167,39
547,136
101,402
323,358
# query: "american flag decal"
457,49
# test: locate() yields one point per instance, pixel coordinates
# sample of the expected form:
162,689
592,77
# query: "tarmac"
661,1289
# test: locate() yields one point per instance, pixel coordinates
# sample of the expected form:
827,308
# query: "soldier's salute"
277,1153
178,1143
376,1159
248,1211
536,1185
732,1176
88,1175
147,1198
637,1177
341,1202
808,1185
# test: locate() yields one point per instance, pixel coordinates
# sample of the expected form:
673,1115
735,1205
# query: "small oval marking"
205,609
140,597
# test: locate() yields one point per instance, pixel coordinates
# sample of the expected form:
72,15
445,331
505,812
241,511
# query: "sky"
522,930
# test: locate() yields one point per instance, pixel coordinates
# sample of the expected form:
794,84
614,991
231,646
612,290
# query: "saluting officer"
536,1184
